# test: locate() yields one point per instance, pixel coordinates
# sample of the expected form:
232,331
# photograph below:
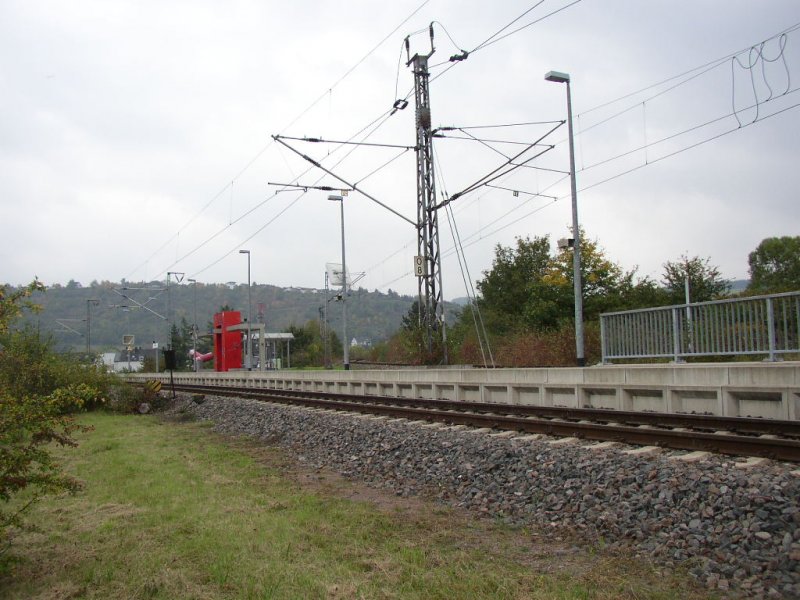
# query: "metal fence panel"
768,325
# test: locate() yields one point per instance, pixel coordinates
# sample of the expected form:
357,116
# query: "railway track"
775,439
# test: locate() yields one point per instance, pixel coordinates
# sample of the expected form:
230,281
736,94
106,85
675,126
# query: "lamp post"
194,324
327,342
557,77
345,341
89,303
247,356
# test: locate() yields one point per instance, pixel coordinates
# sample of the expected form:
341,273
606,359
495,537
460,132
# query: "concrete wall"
768,390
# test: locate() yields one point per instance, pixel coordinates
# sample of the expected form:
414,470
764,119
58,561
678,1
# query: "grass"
170,510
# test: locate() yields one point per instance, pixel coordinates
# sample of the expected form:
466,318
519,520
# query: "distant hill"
460,301
372,316
739,285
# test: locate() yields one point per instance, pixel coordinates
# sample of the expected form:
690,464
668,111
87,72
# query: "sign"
169,359
127,340
155,345
419,266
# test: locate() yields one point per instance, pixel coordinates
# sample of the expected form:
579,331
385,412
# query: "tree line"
526,299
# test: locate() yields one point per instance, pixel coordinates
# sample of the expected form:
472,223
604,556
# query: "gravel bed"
738,528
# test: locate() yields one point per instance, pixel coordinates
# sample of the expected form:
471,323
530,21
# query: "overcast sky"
135,137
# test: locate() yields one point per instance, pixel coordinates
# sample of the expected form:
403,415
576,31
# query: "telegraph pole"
429,263
89,323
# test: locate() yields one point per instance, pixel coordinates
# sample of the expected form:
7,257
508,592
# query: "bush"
27,425
39,389
533,348
30,366
127,398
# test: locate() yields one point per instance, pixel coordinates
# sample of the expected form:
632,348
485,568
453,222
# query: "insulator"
424,117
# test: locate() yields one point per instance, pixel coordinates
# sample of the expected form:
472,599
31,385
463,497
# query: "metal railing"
768,325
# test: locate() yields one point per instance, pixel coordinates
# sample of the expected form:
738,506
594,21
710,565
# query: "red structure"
227,344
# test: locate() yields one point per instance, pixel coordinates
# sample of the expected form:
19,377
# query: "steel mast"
428,264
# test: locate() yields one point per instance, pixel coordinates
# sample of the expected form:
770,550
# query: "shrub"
39,389
533,348
27,425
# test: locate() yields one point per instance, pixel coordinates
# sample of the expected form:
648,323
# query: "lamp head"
244,251
557,77
335,198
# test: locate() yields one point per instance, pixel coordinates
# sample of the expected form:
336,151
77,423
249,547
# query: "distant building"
122,360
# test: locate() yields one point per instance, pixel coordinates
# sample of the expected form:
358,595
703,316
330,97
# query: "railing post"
676,332
603,339
771,329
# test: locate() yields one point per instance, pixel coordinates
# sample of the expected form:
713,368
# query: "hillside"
371,315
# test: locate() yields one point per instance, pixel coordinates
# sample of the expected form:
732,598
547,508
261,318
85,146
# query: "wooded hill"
372,316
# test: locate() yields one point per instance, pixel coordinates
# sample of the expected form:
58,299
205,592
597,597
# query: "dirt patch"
94,517
62,591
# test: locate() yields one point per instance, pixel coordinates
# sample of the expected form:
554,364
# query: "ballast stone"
739,527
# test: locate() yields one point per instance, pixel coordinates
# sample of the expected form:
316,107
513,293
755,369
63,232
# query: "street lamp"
89,302
247,356
345,341
557,77
194,325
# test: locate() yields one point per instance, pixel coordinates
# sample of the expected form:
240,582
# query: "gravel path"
738,528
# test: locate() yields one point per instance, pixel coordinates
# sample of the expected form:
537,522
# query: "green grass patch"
170,510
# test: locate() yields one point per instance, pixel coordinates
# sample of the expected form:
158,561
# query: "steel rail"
702,422
607,428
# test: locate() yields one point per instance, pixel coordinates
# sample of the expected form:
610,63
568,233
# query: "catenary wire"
466,276
704,68
386,116
271,142
684,132
254,208
711,63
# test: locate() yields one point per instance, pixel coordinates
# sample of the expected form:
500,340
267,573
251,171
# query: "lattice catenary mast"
428,262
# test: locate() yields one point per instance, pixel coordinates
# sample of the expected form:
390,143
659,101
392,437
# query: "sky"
136,137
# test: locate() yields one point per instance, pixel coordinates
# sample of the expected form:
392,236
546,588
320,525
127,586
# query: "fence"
758,325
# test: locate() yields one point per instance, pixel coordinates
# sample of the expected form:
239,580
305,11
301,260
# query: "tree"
705,281
644,293
604,284
417,314
528,289
307,348
409,344
13,302
528,303
508,287
181,338
775,265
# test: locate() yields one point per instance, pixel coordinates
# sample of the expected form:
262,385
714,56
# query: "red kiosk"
227,344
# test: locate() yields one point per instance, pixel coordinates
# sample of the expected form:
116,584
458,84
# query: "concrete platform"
766,390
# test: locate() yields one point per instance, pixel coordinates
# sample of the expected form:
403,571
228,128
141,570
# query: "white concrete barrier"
768,390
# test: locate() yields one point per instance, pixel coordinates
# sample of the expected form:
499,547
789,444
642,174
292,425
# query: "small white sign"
155,345
419,266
